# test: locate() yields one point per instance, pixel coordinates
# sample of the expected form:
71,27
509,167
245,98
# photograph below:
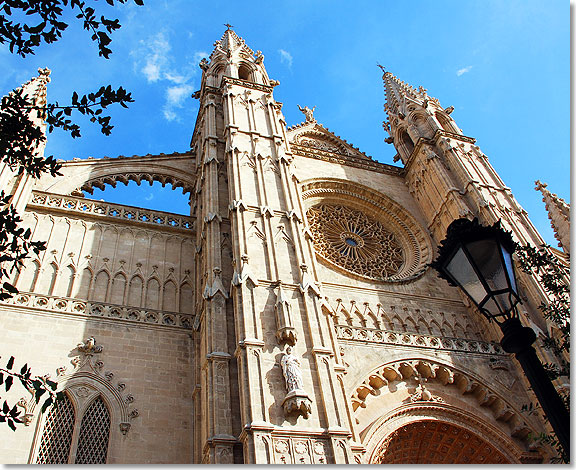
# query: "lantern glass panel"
509,267
486,256
463,273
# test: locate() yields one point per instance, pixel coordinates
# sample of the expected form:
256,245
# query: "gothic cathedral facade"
291,318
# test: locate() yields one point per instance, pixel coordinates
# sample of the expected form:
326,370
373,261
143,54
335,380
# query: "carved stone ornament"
88,347
28,406
285,331
422,393
124,428
297,400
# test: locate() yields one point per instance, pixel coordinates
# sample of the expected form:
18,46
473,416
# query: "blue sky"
503,65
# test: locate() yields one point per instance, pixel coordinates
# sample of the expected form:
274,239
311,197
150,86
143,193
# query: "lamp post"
478,260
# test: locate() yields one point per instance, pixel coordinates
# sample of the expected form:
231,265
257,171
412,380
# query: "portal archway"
436,442
433,433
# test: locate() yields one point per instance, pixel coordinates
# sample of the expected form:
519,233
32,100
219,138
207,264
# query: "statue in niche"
297,400
292,372
309,113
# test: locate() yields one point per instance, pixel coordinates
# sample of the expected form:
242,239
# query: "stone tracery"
355,241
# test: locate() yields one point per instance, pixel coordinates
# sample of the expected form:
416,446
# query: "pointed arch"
397,324
57,434
448,386
101,284
118,289
245,72
411,325
28,277
82,287
135,291
186,298
423,327
421,121
406,142
169,297
459,331
446,123
65,281
435,328
153,294
52,274
94,434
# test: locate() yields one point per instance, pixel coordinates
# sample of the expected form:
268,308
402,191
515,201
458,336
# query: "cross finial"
381,66
229,26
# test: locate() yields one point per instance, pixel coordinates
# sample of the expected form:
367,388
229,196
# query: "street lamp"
478,259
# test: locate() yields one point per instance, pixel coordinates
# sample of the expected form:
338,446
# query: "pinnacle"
396,90
36,87
230,42
558,213
552,201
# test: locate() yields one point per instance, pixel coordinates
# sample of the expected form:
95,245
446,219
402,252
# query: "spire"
231,57
558,213
229,44
36,87
397,91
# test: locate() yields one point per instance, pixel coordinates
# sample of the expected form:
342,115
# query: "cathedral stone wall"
123,276
292,318
150,364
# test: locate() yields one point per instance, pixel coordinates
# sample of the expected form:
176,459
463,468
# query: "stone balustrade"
106,209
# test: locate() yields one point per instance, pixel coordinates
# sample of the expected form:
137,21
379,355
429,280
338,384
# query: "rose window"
355,241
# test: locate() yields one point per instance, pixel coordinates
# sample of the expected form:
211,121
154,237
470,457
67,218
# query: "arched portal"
436,442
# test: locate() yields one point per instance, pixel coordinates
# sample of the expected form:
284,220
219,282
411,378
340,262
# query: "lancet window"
70,435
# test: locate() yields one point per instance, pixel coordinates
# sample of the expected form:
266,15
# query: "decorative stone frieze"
384,337
75,307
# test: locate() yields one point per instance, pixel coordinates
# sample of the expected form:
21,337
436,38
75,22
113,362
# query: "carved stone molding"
456,381
350,333
101,310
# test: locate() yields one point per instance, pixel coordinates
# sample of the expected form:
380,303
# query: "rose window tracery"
355,241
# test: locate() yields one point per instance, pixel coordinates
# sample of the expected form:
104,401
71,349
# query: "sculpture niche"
297,400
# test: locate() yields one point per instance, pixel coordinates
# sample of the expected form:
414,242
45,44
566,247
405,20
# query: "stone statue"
292,372
309,113
297,400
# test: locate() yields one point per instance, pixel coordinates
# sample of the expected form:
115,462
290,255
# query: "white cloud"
169,115
464,70
149,197
154,60
176,96
154,54
285,57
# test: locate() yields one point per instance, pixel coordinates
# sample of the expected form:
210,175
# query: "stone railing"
101,310
368,335
105,209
